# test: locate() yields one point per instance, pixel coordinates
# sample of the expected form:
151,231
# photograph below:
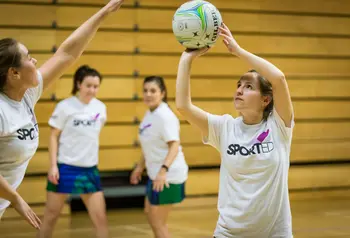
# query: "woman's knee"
157,216
97,209
51,214
54,205
99,220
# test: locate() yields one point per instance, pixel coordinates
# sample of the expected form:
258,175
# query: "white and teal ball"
196,24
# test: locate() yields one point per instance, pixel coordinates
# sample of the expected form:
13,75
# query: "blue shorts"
76,180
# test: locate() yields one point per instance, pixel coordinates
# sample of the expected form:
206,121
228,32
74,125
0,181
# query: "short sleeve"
104,116
2,124
215,127
33,94
286,132
170,130
58,117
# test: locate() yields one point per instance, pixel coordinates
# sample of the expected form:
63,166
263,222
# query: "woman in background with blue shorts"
74,144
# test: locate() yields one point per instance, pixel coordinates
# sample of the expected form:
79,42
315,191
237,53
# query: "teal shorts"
174,194
76,180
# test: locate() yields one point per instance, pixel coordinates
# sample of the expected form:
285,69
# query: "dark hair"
82,72
265,90
9,57
161,84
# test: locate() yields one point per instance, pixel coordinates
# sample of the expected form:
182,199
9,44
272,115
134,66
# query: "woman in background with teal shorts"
159,134
74,144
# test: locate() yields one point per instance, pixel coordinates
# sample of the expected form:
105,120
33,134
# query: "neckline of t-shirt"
83,104
11,101
247,126
158,108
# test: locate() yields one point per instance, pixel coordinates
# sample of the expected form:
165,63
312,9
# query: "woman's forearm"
75,44
264,67
141,163
172,153
53,149
183,90
6,191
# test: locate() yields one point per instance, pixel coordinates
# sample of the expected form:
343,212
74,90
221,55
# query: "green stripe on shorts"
174,194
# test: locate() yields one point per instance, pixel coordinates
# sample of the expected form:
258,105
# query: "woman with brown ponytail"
76,124
21,85
254,147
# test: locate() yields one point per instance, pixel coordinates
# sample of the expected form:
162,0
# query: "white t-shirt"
156,129
253,188
80,126
19,136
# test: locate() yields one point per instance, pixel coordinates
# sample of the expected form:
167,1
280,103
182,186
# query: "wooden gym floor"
315,214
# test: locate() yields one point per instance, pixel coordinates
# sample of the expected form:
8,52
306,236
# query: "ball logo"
180,26
216,25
